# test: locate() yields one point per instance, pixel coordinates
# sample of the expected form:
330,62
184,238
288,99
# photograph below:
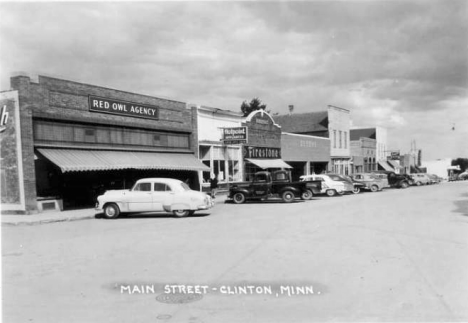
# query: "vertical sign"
11,158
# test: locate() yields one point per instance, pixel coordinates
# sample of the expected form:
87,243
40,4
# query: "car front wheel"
180,213
404,184
374,188
356,190
288,196
306,195
238,198
331,192
111,211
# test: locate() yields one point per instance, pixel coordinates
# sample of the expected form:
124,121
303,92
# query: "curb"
13,223
46,221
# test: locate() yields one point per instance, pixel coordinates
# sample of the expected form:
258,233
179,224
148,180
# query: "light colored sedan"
153,195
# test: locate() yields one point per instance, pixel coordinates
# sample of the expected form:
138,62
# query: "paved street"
397,255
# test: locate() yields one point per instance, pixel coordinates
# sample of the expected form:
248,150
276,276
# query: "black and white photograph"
234,161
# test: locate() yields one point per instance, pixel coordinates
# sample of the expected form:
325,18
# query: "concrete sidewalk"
71,215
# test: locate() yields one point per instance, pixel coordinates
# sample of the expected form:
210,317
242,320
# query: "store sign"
262,152
395,155
3,119
236,135
131,109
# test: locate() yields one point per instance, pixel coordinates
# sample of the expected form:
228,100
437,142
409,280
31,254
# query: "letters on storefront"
103,105
261,152
237,135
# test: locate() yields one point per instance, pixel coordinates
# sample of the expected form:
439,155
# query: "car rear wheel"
374,188
111,211
418,183
238,198
180,213
287,196
306,195
404,185
356,190
331,192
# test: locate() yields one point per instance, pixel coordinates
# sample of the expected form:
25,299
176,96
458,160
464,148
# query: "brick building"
76,140
333,123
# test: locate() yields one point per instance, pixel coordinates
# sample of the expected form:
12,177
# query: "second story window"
340,139
334,138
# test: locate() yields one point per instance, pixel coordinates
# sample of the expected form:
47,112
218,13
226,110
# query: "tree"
254,105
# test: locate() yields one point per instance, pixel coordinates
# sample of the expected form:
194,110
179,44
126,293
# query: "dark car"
396,180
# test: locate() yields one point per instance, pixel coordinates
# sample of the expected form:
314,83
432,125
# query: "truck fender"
295,190
233,191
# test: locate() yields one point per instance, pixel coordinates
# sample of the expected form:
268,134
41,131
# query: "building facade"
306,154
78,140
224,160
364,154
379,134
334,123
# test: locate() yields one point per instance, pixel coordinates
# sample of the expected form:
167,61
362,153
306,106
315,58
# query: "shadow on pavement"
462,205
152,215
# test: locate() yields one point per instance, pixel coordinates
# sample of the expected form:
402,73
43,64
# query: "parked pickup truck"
396,180
272,184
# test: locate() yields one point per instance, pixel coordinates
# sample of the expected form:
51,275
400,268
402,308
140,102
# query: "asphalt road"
397,255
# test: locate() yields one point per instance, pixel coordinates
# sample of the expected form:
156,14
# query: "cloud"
384,60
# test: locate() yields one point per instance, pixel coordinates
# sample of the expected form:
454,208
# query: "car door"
161,193
260,185
140,199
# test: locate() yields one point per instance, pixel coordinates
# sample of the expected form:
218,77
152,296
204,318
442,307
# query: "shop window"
90,135
157,140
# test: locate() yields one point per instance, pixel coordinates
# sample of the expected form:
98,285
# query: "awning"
385,166
394,164
269,163
74,160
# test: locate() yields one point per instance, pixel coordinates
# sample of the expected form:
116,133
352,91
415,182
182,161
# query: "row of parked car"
279,184
171,195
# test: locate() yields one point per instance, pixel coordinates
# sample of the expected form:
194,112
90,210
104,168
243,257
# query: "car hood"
115,193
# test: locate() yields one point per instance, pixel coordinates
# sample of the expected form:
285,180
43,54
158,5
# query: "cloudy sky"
398,64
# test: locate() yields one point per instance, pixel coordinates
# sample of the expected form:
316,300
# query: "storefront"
306,154
224,158
78,140
263,148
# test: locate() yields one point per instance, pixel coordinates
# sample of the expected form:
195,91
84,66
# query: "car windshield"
185,186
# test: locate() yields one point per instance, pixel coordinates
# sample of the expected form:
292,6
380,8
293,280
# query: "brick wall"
56,99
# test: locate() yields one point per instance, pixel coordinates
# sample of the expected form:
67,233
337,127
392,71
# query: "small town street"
396,255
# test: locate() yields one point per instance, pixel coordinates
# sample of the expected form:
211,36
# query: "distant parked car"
357,186
330,186
152,195
463,176
396,180
435,179
370,182
420,179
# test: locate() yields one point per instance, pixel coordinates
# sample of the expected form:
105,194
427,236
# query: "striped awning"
269,163
75,160
386,166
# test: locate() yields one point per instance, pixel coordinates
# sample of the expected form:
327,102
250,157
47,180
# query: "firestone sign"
103,105
262,152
